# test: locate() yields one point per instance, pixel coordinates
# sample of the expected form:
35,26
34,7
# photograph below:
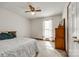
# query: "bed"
18,47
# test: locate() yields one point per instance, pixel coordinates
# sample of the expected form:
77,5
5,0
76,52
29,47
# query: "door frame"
68,30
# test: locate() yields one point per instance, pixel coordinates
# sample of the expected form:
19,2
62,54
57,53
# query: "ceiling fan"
33,9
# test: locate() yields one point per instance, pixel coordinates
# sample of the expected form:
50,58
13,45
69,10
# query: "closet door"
73,29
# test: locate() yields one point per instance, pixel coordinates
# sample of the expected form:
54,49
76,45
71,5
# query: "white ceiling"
48,8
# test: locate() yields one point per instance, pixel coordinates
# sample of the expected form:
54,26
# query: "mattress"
18,47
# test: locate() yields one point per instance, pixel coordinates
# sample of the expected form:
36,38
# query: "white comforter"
18,47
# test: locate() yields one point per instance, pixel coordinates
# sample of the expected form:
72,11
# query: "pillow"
12,34
4,36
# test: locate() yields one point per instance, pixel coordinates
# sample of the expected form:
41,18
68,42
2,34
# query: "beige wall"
11,21
37,25
36,28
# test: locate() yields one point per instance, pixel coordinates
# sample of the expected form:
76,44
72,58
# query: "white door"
73,29
77,23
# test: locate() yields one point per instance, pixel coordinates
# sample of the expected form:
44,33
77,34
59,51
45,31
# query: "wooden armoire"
60,37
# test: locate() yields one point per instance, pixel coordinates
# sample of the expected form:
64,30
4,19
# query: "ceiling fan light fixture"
33,10
33,13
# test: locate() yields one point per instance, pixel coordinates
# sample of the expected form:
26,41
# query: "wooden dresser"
60,38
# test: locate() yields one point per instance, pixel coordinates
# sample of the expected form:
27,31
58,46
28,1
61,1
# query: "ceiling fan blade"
31,8
38,10
27,11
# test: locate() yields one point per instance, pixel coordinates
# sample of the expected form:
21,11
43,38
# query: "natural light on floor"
49,45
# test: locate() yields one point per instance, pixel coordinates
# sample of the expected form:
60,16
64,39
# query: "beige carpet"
46,49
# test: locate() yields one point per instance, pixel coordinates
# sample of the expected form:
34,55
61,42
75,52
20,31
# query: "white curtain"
47,29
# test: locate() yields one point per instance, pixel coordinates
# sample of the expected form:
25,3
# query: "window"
47,29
